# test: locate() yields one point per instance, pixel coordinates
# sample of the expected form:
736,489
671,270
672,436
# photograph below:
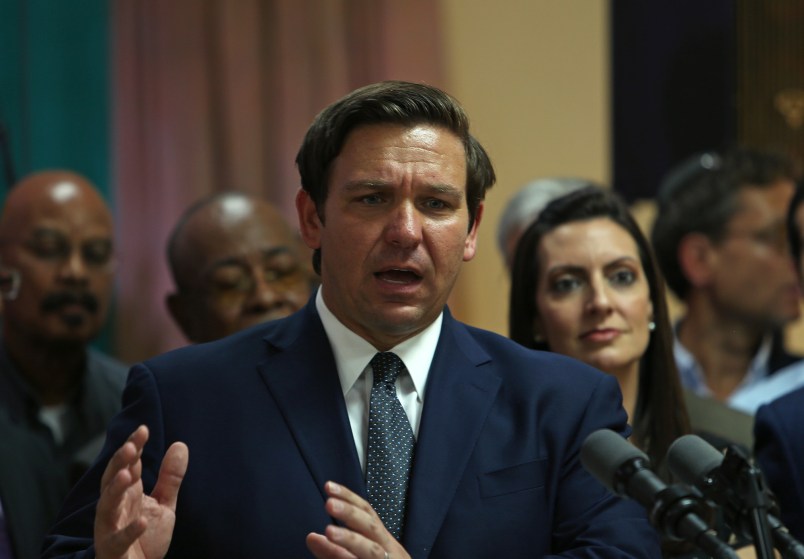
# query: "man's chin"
74,329
402,321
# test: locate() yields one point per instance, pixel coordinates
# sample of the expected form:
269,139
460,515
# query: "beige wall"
533,76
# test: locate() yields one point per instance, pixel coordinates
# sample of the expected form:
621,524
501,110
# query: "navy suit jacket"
780,452
495,472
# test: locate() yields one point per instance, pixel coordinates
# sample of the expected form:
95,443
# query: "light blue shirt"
780,383
692,377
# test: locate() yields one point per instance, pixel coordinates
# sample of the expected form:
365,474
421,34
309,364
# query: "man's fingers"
125,456
343,543
322,548
118,543
112,498
344,493
171,474
364,534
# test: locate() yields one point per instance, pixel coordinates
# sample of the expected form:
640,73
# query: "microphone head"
691,459
603,453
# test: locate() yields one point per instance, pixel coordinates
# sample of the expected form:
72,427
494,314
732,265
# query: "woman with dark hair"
585,283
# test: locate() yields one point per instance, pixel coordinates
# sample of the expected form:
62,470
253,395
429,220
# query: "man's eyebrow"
367,184
43,230
446,189
278,250
438,188
241,261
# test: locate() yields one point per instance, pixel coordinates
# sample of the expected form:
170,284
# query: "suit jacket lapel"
459,394
302,377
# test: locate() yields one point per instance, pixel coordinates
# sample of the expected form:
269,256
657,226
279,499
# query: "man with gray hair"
526,205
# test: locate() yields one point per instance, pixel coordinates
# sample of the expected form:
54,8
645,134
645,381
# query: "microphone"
737,486
674,510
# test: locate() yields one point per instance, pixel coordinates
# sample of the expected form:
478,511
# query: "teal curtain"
54,92
54,86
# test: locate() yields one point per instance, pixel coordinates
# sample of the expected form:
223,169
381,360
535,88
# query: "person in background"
235,263
30,495
779,451
585,284
721,241
56,392
791,377
371,423
523,208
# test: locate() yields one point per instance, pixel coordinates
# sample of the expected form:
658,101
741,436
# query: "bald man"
235,263
56,232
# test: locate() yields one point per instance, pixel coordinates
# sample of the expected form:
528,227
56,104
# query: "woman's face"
592,297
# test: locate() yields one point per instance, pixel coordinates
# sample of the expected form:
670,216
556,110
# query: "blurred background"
161,101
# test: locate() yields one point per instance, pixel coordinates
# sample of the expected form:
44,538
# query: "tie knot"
386,367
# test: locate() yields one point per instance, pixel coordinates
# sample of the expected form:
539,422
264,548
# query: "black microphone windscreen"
602,454
691,459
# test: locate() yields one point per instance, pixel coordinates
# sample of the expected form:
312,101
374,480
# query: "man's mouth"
399,276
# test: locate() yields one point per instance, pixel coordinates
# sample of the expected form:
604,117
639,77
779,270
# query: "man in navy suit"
780,453
277,417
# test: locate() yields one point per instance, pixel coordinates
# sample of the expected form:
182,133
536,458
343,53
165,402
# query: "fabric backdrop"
211,95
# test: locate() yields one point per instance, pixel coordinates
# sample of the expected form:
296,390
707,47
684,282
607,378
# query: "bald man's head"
235,262
56,230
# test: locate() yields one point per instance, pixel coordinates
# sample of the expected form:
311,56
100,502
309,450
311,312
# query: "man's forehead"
64,218
760,200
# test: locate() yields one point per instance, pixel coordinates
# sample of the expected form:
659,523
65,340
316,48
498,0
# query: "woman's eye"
623,277
563,285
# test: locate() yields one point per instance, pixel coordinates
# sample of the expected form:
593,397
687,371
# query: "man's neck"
724,349
53,371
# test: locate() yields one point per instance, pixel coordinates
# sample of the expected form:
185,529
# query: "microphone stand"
739,471
679,513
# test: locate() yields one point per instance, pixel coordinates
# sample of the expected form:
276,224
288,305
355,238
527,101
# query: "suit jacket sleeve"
590,521
77,516
780,453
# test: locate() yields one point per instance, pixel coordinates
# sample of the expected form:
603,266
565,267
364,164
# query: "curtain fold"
212,95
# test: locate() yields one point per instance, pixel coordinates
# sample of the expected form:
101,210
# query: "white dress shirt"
352,357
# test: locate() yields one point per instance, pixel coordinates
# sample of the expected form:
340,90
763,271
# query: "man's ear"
696,258
309,223
177,306
470,245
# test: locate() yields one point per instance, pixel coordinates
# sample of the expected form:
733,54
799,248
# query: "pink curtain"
211,95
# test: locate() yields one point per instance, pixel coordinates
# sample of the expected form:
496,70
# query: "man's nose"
73,268
405,226
263,295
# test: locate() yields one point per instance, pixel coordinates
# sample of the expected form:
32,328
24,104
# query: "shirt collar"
692,375
353,353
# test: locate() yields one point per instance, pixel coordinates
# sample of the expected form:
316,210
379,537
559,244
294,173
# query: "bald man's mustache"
56,301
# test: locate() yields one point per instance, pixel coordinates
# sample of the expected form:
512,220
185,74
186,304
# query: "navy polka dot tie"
390,445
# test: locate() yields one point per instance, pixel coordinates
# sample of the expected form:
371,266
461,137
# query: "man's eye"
230,282
49,250
371,199
97,253
435,204
279,271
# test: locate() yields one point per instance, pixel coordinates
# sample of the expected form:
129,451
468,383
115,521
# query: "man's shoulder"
516,362
790,403
770,388
105,362
103,369
245,347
